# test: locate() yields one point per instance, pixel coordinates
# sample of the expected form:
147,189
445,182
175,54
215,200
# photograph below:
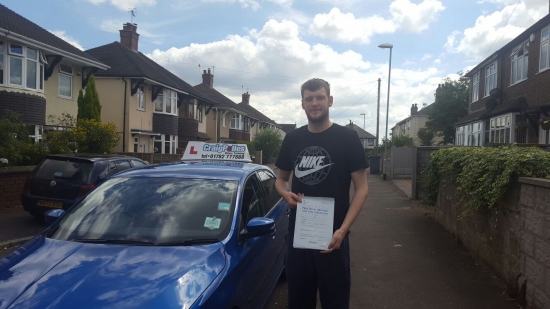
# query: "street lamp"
390,46
363,114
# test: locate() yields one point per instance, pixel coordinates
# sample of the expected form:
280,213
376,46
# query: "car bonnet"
60,274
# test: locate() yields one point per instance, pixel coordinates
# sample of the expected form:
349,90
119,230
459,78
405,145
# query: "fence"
401,163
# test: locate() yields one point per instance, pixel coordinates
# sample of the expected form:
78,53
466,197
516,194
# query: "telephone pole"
377,119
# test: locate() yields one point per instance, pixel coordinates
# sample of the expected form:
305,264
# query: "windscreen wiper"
189,242
114,241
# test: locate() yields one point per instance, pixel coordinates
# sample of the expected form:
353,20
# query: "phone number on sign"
223,156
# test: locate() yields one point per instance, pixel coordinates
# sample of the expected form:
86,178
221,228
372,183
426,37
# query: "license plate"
50,204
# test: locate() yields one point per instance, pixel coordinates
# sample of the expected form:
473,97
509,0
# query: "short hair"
315,84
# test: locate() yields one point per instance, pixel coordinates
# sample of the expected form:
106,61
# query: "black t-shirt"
322,164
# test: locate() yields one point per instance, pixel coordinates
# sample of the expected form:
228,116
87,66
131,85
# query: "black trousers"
308,270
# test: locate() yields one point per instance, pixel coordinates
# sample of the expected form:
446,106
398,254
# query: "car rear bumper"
30,203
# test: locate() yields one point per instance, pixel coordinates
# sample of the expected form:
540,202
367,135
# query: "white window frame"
167,96
500,128
136,144
519,63
172,140
474,131
199,114
141,98
459,136
224,121
62,74
235,121
3,63
475,87
38,132
544,46
7,55
491,78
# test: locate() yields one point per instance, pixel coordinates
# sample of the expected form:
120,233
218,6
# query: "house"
509,93
154,110
287,127
263,122
368,140
40,74
410,125
228,120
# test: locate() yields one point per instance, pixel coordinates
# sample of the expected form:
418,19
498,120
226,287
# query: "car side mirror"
259,227
52,215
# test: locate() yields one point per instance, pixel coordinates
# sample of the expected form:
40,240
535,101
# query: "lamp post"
390,46
363,114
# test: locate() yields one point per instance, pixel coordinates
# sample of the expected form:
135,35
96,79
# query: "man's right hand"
293,199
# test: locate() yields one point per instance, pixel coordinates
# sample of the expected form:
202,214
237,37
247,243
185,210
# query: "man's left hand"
337,239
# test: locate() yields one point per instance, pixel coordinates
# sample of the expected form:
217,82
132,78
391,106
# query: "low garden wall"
12,181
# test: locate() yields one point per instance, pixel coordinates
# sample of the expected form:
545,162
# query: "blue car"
182,235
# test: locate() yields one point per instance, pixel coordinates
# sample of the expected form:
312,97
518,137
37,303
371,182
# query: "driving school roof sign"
219,151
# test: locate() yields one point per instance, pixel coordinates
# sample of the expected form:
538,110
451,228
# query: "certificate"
314,222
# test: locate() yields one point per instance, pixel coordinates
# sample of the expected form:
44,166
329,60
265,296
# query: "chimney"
414,109
208,79
129,36
246,98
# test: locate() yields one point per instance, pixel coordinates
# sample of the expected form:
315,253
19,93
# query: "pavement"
402,258
15,223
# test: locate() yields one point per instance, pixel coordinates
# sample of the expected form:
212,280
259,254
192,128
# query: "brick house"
155,111
228,121
40,74
367,140
509,93
410,125
263,122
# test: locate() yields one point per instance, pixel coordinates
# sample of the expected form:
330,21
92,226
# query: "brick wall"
12,181
245,136
513,238
235,135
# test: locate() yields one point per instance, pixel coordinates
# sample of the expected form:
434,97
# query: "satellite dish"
491,104
495,93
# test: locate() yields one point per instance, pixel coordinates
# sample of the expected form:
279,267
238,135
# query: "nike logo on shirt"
300,174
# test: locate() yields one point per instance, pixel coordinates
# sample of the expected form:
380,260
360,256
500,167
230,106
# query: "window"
65,81
236,122
190,110
370,142
252,202
136,163
544,62
246,124
520,58
500,129
35,132
490,78
123,165
166,102
473,134
16,65
165,144
141,98
199,114
268,183
475,87
224,122
459,137
1,63
136,144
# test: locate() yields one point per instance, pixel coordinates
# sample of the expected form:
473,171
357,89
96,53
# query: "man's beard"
317,120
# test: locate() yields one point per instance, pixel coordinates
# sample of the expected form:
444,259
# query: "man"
325,157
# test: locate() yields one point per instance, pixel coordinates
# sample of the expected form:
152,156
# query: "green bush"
482,174
14,137
32,154
269,142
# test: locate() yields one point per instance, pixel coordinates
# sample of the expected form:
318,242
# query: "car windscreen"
152,210
65,169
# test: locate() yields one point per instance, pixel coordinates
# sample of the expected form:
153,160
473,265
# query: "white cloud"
345,27
254,5
426,57
491,31
126,5
61,34
274,61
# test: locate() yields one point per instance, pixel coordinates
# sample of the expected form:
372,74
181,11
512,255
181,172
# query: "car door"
276,209
253,271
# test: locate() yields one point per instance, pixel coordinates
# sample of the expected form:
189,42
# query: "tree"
451,104
426,136
396,141
89,106
269,142
14,136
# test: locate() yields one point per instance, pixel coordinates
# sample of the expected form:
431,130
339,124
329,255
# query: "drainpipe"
216,139
124,117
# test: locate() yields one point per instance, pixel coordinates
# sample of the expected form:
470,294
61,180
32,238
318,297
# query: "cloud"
61,34
254,5
426,57
282,3
345,27
272,63
125,5
491,31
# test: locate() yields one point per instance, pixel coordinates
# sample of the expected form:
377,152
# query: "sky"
270,47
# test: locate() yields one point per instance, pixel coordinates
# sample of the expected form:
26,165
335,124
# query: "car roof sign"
216,152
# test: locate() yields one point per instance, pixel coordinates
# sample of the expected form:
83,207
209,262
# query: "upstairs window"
544,62
490,78
520,58
475,87
236,122
199,114
141,98
166,102
65,81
